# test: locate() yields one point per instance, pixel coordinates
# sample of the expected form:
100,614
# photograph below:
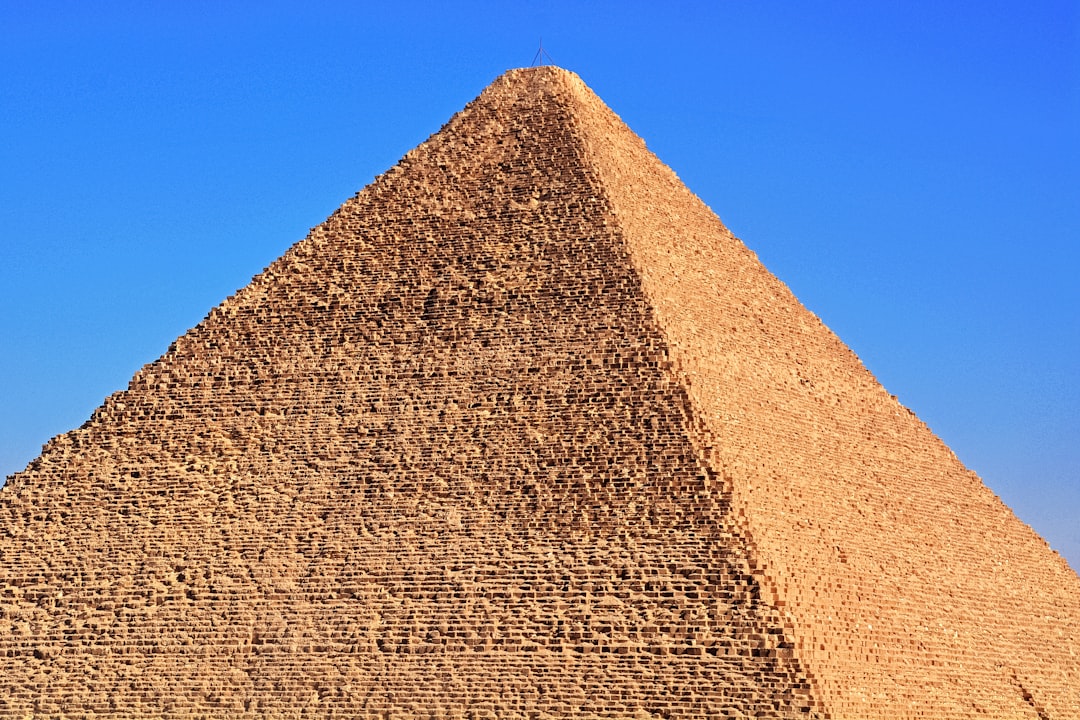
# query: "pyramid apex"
546,72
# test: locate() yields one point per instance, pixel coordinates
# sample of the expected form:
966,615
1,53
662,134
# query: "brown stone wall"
433,462
913,591
520,431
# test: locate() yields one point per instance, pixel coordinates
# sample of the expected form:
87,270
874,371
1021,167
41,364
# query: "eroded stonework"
520,431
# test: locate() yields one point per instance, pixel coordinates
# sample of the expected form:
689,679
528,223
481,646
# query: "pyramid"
521,431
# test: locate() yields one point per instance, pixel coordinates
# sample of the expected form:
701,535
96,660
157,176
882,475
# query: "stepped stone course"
521,431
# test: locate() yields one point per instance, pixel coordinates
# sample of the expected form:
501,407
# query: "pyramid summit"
521,430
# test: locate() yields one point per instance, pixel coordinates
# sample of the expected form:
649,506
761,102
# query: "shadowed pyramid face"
520,430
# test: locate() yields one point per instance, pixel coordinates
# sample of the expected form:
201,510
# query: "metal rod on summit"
538,58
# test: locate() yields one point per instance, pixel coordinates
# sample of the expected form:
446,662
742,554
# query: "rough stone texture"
520,431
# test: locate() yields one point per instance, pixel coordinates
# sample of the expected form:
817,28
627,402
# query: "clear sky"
910,168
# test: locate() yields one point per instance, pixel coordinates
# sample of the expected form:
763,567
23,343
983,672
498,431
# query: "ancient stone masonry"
520,431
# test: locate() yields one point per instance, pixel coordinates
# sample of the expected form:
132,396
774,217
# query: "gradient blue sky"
910,169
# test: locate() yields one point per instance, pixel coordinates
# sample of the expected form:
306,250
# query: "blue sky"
910,169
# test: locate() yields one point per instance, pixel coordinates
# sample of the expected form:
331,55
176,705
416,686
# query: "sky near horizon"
910,169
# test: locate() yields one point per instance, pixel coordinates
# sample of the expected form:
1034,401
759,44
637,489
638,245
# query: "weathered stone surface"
520,431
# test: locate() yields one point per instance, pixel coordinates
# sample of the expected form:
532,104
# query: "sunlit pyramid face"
521,430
